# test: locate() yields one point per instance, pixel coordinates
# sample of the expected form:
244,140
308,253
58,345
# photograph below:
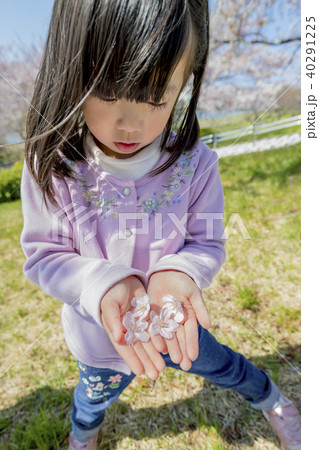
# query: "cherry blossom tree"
17,75
252,55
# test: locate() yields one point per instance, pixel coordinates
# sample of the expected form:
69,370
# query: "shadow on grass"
280,177
41,419
265,169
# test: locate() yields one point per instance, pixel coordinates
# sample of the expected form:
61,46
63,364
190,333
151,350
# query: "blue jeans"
217,363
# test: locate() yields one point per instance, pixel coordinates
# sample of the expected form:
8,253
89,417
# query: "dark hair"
127,47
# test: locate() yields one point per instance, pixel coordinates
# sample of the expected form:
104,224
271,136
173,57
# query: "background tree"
253,54
18,70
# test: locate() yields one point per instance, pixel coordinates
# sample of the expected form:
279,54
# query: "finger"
165,351
174,350
149,367
113,321
127,353
139,290
159,343
191,335
200,310
185,363
131,358
154,355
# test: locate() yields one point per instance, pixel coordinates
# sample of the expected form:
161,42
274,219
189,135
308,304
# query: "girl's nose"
130,118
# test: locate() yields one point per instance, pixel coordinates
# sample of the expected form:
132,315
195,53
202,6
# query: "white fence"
251,130
227,135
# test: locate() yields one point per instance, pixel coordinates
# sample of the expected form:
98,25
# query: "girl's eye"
158,105
107,100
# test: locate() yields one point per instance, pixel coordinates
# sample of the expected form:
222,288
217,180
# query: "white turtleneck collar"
131,168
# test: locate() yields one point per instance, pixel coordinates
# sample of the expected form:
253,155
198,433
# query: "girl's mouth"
126,148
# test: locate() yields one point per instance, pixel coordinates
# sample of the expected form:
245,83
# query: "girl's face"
122,128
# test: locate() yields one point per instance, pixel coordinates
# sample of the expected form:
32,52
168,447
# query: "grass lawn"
254,303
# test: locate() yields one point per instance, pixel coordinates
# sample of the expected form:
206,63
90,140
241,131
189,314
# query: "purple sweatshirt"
105,229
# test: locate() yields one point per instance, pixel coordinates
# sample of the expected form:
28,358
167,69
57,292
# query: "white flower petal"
141,325
142,336
166,333
179,316
154,328
166,312
172,325
145,298
141,312
134,301
128,320
173,304
129,337
154,316
141,305
168,298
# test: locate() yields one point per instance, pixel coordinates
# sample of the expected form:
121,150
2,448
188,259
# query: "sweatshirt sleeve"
52,262
203,252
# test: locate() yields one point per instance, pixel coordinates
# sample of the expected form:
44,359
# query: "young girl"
116,205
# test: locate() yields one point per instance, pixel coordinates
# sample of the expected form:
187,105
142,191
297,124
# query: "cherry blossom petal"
168,329
141,325
173,306
179,317
167,311
168,298
141,305
154,327
164,332
128,320
142,336
135,328
171,326
153,316
162,324
129,337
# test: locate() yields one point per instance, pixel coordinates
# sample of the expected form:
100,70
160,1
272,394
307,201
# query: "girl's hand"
183,348
140,357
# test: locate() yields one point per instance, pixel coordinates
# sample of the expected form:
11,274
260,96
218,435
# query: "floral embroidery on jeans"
115,381
82,367
95,391
91,378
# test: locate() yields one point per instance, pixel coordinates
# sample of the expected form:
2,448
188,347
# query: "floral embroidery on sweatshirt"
106,206
179,172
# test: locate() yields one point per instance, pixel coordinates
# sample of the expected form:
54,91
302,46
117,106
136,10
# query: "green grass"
254,304
247,299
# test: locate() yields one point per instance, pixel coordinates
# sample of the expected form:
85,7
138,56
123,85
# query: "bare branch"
256,41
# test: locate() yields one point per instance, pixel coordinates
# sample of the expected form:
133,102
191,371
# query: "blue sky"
24,20
28,21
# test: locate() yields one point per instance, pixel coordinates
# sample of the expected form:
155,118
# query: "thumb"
111,320
200,310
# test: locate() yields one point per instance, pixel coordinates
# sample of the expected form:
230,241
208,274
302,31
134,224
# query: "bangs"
133,48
